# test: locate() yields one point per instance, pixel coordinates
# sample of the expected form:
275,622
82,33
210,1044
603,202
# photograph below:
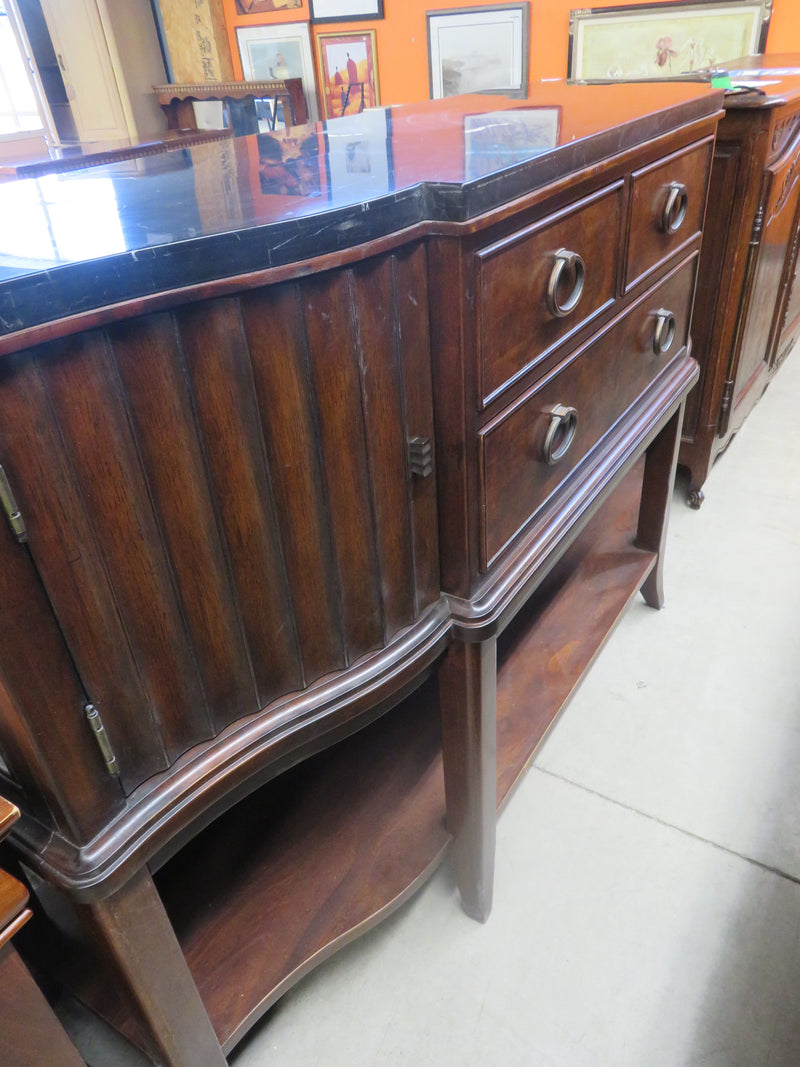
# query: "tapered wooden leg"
657,486
468,695
132,932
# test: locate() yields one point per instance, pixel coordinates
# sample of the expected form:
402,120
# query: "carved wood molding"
783,132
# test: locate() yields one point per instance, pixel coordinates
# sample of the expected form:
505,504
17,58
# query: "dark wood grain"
63,542
152,371
41,710
410,287
385,437
219,369
92,416
328,312
276,339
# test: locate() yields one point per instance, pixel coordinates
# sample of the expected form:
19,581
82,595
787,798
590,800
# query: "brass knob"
674,207
560,433
568,268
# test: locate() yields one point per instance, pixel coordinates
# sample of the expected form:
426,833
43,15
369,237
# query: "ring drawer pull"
664,333
675,207
567,266
560,433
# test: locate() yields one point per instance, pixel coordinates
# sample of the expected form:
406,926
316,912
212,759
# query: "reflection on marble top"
83,239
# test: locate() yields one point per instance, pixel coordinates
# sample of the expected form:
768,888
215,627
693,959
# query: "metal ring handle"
664,333
567,265
560,433
674,208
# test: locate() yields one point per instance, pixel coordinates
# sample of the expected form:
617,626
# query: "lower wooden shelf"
308,862
325,851
553,640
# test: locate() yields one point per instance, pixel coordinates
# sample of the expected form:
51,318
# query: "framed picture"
663,40
255,7
478,50
345,10
282,50
499,139
348,72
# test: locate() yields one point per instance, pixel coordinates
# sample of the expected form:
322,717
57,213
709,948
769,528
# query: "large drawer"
668,201
531,448
518,323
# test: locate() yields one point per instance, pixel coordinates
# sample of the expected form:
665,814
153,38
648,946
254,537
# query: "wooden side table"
30,1033
239,99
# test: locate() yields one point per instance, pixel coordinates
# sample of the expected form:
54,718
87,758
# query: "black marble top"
86,239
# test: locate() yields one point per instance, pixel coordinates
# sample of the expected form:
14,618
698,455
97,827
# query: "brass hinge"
420,455
725,407
13,513
96,723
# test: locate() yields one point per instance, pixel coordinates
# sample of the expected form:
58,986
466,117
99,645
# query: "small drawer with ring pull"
667,208
536,443
540,285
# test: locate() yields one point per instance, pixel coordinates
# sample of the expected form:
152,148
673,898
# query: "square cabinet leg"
468,697
657,487
121,958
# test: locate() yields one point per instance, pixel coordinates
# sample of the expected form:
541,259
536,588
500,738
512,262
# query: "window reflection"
60,218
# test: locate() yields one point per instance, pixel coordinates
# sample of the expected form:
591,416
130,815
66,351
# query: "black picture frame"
322,11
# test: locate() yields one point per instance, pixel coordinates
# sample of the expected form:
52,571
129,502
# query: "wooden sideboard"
301,563
747,317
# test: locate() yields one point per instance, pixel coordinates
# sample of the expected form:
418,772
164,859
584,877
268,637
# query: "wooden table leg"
657,487
132,932
468,697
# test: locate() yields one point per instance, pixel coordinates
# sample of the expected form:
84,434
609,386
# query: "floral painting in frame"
667,40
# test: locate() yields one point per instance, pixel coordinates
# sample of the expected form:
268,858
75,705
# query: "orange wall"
402,41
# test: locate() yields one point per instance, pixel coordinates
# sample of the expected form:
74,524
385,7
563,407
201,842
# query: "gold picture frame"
642,42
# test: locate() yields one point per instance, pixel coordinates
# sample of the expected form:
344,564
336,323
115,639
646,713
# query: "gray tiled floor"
646,910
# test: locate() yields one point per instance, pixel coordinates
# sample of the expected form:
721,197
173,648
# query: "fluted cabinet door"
221,499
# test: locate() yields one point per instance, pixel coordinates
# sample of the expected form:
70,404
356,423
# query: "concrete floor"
647,902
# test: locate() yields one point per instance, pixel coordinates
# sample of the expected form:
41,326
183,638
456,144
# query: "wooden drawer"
599,382
515,329
668,200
